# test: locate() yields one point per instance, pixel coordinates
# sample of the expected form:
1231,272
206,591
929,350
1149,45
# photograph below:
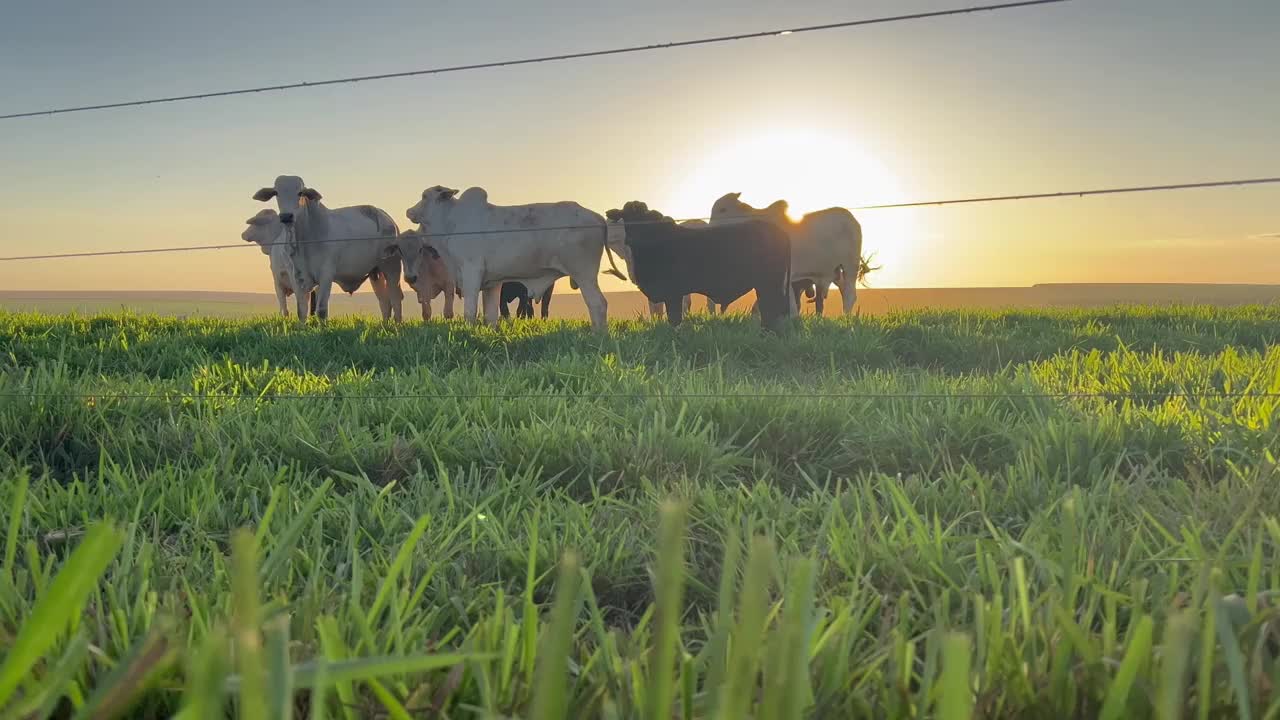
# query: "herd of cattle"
464,246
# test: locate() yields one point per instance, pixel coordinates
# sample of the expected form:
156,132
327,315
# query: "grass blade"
205,698
17,505
397,566
1113,708
748,637
669,593
63,601
551,694
955,698
116,693
1235,660
244,627
1175,660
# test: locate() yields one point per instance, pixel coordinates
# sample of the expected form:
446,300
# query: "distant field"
568,304
1036,513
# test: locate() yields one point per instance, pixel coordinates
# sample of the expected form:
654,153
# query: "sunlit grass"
651,550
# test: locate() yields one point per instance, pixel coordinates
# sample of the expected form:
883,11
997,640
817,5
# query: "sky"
1090,93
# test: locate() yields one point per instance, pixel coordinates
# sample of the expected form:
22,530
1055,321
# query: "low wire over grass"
1066,514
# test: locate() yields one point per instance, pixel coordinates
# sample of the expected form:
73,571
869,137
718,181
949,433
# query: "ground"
1030,514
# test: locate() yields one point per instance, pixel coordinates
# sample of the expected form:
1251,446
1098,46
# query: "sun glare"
811,170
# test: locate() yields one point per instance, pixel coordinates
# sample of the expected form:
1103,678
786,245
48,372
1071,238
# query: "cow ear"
736,195
780,206
264,194
311,194
448,193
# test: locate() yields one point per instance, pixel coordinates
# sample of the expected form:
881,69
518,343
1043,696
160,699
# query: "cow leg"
311,302
546,302
322,300
492,299
524,308
773,305
426,311
848,285
506,309
711,306
281,299
304,302
379,284
797,289
597,306
820,298
686,304
469,282
675,311
449,290
391,271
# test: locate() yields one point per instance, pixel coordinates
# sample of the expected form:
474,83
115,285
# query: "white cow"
484,245
267,231
346,245
826,246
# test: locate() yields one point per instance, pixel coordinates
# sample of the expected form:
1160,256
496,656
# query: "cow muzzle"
286,218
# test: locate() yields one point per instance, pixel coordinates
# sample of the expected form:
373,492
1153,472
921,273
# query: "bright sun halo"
810,169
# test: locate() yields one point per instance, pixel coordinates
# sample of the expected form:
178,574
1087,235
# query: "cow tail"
613,268
786,286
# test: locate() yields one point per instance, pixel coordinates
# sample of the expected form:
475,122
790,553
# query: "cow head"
433,200
730,209
264,228
636,221
290,194
411,246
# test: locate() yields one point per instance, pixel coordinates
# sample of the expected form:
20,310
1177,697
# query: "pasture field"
927,514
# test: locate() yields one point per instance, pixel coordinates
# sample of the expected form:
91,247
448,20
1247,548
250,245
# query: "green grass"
553,523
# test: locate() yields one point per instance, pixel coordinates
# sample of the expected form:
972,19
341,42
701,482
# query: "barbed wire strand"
98,397
500,231
535,60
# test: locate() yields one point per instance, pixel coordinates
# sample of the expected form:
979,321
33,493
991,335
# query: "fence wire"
1204,184
874,397
535,60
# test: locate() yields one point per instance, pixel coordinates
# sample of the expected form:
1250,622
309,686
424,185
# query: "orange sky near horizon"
1045,100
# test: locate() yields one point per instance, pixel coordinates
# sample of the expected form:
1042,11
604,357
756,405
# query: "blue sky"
1087,93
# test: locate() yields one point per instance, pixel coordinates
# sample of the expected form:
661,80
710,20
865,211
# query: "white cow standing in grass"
484,245
826,245
346,245
267,231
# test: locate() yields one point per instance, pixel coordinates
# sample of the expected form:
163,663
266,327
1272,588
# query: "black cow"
517,291
723,262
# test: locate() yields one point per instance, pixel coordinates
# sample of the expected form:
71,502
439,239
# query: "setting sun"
811,169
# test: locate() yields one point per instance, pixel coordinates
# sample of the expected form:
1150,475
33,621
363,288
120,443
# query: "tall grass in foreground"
225,518
767,651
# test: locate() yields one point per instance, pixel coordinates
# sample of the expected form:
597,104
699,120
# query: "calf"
428,276
518,291
267,231
724,262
